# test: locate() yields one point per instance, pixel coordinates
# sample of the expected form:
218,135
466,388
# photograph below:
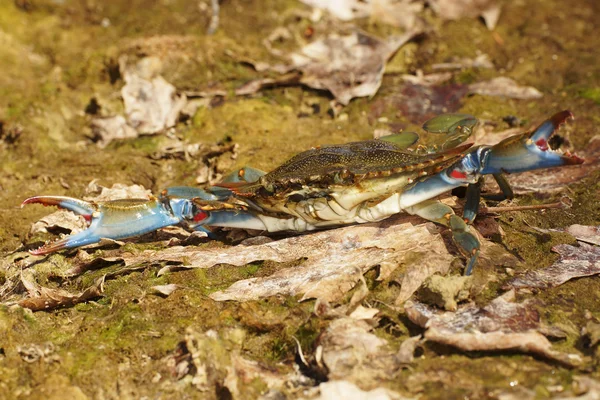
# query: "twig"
564,203
214,19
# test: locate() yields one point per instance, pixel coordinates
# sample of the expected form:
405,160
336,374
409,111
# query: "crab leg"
435,211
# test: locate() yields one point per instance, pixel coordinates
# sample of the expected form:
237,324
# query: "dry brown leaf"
61,220
151,103
341,389
434,262
574,262
584,233
42,298
505,87
351,352
456,9
105,130
501,325
406,354
96,192
213,360
165,290
348,66
337,259
400,13
481,61
427,80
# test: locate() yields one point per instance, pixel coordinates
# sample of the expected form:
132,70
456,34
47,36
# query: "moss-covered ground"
56,56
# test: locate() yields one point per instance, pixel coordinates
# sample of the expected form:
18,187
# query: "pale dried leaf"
481,61
456,9
574,262
499,326
424,263
106,130
115,192
348,66
429,79
341,389
400,13
42,298
361,312
165,289
505,87
337,260
406,354
584,233
350,351
60,219
151,103
213,360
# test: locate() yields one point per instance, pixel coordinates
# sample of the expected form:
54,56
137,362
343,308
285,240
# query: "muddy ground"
59,70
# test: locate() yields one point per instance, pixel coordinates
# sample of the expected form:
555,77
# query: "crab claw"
530,150
115,220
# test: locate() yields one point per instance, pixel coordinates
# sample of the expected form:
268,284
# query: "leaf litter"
502,325
574,262
348,66
44,299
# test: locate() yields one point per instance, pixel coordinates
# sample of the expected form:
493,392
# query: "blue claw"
116,220
529,150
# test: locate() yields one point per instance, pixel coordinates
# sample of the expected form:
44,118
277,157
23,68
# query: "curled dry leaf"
342,389
59,220
350,351
105,130
481,61
504,87
584,233
400,13
501,325
574,262
335,259
348,66
165,290
151,103
435,262
489,10
406,354
115,192
213,360
42,298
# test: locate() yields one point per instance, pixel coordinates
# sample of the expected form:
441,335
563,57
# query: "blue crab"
336,185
